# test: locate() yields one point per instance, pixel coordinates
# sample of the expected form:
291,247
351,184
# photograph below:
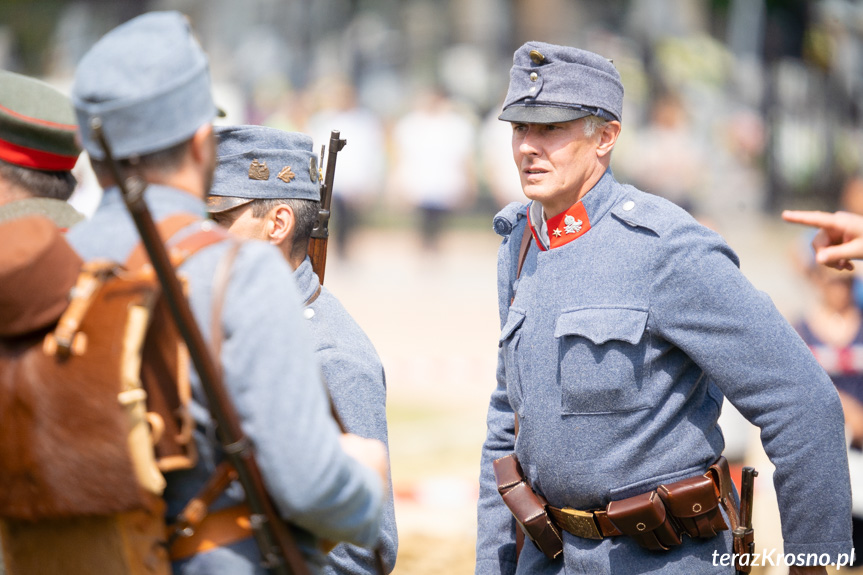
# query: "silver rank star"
557,233
572,225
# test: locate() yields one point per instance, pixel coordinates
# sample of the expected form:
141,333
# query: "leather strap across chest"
182,249
522,254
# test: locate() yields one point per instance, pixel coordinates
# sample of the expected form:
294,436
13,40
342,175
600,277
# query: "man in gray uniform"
148,83
37,150
267,187
624,330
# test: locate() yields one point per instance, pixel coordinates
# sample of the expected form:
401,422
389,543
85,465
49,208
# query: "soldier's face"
206,140
557,163
246,225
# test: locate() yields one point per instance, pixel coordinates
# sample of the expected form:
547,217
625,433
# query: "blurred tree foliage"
30,23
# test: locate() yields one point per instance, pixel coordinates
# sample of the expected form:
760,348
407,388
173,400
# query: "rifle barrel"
321,232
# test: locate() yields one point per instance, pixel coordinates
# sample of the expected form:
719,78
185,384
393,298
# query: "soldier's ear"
280,225
607,138
203,144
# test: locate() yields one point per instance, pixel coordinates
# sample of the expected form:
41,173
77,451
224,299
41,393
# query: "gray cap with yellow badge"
550,84
261,163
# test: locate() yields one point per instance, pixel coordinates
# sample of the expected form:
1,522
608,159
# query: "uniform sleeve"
275,381
702,303
495,545
355,377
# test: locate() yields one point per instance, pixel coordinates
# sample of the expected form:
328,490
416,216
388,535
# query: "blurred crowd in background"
731,105
734,109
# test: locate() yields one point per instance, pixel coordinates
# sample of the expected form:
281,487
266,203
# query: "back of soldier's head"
147,82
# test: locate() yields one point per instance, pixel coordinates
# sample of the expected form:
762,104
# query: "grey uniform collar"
307,280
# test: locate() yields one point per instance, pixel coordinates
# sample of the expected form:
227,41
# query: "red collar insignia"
564,227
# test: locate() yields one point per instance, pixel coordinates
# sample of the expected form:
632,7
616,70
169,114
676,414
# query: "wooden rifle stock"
276,543
321,231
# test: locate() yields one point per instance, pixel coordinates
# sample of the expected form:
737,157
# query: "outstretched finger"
810,218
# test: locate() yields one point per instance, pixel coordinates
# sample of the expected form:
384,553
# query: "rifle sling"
522,254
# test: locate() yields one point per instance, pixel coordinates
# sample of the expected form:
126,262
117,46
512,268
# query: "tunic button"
533,76
628,206
308,313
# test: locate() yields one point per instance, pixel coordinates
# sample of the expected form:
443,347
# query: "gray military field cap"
550,84
148,81
260,163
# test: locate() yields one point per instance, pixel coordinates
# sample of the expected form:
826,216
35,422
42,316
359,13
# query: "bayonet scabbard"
744,535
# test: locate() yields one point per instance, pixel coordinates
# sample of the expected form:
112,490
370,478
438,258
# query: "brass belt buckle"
579,523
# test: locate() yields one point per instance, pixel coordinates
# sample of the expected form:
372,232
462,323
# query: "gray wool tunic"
616,353
355,378
274,380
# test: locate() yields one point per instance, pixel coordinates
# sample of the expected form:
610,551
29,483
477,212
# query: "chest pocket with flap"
601,361
510,337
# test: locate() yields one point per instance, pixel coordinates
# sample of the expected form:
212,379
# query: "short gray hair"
592,124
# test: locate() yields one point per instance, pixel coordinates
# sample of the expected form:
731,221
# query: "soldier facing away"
624,326
266,187
37,150
148,83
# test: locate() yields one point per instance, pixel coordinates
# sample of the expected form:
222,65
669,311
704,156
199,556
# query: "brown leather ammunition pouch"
645,519
658,519
528,508
694,503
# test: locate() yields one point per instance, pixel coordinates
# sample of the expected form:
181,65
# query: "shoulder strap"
220,287
167,228
522,254
523,249
209,234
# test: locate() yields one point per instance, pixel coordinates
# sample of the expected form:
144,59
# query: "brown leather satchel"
82,404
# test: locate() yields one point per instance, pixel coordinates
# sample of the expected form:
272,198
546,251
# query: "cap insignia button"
572,225
537,57
259,171
313,169
286,175
557,233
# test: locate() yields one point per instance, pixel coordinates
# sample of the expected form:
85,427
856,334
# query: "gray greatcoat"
617,353
355,378
274,381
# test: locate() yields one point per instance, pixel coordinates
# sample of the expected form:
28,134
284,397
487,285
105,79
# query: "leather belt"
218,529
586,524
596,524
